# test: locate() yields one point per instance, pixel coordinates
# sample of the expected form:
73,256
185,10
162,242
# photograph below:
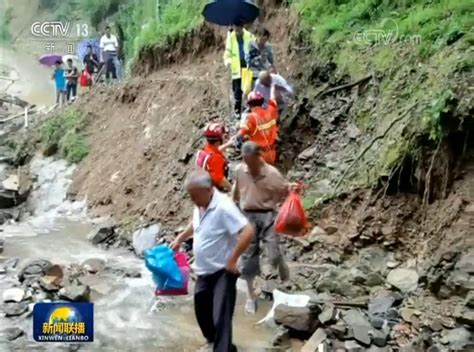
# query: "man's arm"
243,242
225,185
182,237
235,192
227,51
283,85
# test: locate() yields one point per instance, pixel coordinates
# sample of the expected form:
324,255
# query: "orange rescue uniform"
216,165
261,128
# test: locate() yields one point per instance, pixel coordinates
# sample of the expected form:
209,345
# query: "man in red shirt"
211,157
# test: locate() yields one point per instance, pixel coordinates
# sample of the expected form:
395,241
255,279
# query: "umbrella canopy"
229,12
74,59
50,59
82,47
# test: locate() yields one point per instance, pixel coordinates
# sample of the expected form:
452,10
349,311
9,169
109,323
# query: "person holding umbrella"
236,50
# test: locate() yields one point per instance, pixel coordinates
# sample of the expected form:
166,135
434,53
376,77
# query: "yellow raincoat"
231,53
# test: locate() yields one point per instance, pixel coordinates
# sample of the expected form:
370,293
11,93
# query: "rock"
467,318
14,294
374,279
405,280
352,346
338,331
34,268
94,265
103,234
56,272
281,338
328,314
11,263
466,263
361,334
11,334
315,234
75,293
433,349
392,264
312,345
407,314
378,349
354,318
297,318
458,338
470,299
145,238
352,131
15,309
308,153
379,337
436,325
331,229
460,282
48,283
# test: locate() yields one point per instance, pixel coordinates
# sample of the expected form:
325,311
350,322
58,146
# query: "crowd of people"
69,77
233,221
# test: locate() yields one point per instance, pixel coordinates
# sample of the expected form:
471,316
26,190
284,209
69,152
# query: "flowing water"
124,318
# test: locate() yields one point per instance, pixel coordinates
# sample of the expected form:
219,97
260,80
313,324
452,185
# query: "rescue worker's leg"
250,263
225,293
271,242
203,306
237,89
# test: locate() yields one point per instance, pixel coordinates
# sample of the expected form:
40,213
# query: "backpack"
202,161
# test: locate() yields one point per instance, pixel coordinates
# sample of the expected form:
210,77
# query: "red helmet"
255,97
215,130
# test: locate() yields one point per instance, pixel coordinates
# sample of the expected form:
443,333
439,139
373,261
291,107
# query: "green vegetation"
5,19
418,49
66,132
142,29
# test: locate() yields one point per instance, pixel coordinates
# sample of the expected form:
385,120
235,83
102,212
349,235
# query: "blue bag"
166,273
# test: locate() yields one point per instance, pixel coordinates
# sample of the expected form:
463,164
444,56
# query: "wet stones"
11,334
75,293
405,280
145,238
301,319
94,265
34,268
14,294
14,309
103,234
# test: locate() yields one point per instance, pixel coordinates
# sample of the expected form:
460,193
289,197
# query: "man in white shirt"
282,89
221,234
109,53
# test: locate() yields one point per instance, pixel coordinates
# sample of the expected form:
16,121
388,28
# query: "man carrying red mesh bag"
259,189
291,219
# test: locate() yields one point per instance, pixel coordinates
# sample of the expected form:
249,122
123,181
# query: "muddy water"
33,82
127,316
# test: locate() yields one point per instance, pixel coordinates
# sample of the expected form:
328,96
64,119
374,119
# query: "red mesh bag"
291,219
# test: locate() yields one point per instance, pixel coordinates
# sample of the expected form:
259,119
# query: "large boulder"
405,280
381,308
302,319
145,238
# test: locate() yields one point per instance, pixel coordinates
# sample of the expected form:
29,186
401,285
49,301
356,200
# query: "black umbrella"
229,12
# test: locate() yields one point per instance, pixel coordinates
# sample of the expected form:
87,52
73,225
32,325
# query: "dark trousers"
237,89
71,90
214,303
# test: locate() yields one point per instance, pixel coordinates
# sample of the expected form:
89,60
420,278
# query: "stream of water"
124,321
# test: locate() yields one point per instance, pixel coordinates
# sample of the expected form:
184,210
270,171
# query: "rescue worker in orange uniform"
211,158
260,126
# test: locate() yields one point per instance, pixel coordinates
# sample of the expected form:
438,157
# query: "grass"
5,19
66,131
177,18
417,49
